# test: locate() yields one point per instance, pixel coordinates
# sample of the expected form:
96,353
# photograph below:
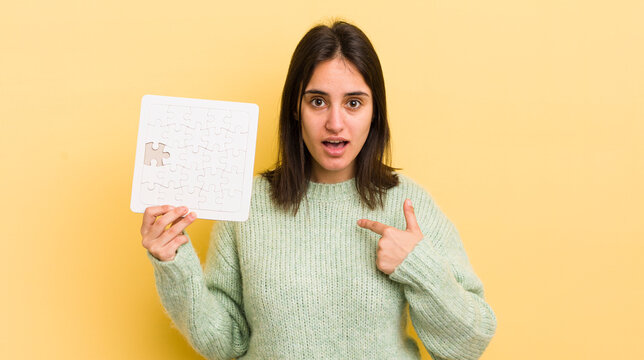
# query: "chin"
334,166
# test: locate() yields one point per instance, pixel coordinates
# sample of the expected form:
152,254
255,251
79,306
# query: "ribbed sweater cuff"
423,262
185,263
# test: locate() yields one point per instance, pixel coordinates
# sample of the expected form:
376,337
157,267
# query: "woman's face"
336,115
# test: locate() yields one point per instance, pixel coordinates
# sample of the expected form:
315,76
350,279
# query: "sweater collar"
341,190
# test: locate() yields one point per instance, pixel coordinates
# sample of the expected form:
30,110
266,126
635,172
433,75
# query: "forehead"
337,76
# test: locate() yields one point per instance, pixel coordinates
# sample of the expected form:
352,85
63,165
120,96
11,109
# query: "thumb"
410,216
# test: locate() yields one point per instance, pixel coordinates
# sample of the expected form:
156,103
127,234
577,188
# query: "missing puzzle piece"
157,154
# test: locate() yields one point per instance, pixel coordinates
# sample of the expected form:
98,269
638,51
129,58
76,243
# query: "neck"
344,190
324,176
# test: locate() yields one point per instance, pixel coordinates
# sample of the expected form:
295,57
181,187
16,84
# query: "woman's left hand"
395,244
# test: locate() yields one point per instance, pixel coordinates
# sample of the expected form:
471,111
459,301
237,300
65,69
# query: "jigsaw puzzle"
197,153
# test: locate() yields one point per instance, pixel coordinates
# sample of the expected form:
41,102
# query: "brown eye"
354,104
317,102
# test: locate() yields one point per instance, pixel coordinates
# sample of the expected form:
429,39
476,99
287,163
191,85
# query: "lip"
335,138
333,151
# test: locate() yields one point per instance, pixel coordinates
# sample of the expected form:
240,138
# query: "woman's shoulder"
262,195
261,187
428,212
406,181
408,188
260,182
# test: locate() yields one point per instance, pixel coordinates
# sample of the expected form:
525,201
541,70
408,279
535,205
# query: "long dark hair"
289,179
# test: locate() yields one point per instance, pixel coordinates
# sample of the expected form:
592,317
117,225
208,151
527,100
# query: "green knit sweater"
279,286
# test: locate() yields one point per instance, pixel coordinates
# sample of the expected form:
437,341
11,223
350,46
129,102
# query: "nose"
335,120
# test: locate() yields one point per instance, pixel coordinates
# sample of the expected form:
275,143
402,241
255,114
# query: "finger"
163,221
176,242
170,249
150,215
410,216
179,225
174,222
177,220
378,228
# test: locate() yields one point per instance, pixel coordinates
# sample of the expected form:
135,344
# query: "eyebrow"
320,92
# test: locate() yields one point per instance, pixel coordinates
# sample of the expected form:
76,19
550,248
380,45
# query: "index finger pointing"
374,226
410,216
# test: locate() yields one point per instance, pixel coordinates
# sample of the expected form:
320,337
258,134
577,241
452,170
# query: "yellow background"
524,119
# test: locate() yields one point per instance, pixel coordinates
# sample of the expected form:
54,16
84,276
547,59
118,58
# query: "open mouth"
335,144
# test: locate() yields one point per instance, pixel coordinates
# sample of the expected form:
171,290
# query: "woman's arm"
446,299
207,309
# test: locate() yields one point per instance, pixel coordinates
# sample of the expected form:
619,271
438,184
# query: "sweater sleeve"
446,300
207,309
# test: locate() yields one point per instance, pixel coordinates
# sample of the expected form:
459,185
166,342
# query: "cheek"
308,134
364,131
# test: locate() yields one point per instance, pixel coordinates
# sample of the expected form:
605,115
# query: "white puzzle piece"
197,153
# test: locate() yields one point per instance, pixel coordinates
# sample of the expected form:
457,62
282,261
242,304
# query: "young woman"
333,249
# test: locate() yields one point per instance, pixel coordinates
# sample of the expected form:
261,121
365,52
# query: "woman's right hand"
163,243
